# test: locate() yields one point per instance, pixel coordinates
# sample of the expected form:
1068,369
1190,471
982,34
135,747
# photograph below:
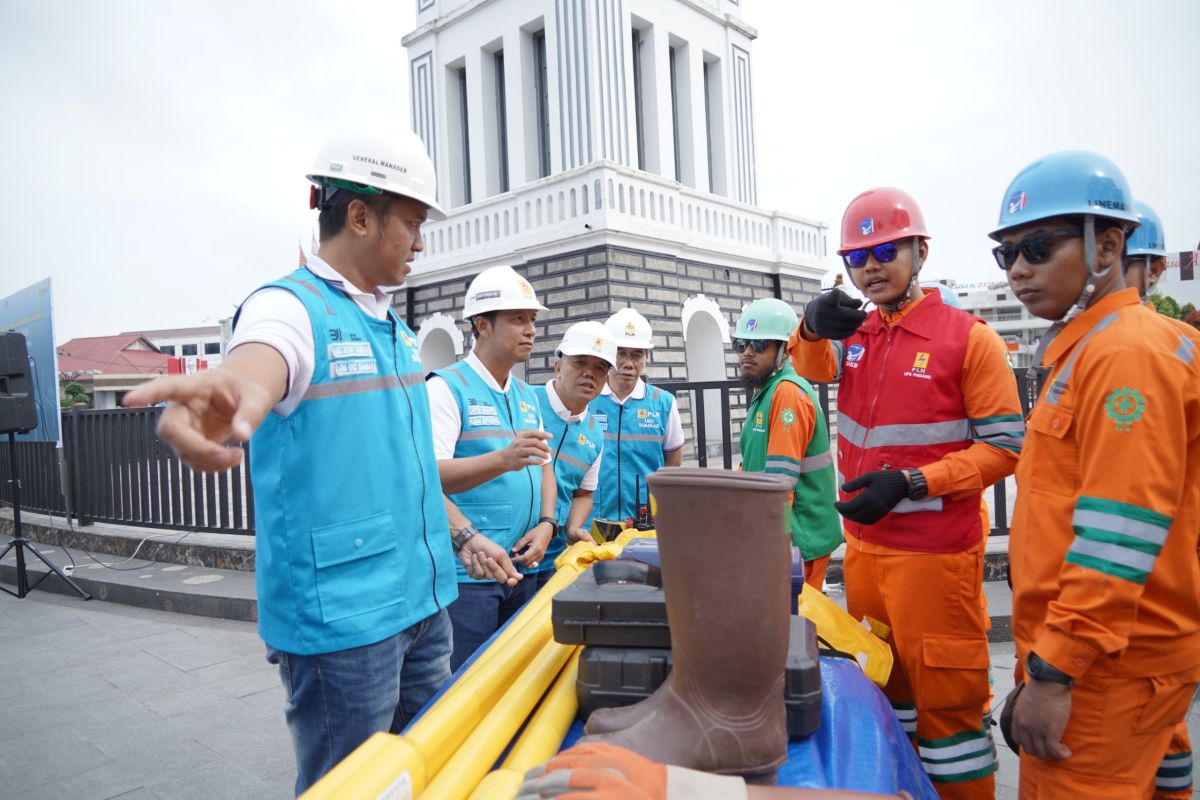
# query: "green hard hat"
767,319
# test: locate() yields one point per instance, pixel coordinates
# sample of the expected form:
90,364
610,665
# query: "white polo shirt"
673,436
277,318
592,477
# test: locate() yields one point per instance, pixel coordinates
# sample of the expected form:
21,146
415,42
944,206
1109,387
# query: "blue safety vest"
575,446
633,444
352,541
507,506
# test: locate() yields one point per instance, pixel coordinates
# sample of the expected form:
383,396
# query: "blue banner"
28,312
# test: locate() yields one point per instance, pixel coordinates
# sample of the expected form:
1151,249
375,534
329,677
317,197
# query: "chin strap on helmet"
1144,290
906,298
1038,371
1094,272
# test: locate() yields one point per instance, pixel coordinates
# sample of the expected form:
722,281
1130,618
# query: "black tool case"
615,603
619,676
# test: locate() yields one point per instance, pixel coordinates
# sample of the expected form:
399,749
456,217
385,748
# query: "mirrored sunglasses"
884,253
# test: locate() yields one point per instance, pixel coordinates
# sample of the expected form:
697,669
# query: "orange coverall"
1173,781
939,684
1103,551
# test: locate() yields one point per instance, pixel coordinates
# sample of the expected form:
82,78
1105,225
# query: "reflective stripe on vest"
507,506
576,446
906,435
901,406
352,541
634,432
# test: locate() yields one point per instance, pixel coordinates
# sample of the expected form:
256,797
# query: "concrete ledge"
202,591
168,545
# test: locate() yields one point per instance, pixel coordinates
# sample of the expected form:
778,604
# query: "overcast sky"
154,152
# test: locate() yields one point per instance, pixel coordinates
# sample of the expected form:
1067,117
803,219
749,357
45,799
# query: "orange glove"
596,771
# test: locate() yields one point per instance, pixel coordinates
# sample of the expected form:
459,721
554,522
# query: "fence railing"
113,468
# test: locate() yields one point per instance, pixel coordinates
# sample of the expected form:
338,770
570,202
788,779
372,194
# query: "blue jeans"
480,610
336,701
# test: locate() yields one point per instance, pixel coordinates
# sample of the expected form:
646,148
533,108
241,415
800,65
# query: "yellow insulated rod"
471,762
386,761
440,731
544,734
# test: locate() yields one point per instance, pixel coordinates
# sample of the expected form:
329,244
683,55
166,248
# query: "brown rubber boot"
611,720
726,569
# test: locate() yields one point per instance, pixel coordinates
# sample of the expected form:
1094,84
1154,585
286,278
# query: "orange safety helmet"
881,215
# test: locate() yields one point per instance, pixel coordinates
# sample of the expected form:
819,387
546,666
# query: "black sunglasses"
884,253
1036,247
759,345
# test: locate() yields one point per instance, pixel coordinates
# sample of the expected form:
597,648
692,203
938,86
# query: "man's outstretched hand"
207,410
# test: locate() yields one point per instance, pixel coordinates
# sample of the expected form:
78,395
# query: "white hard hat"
395,163
631,329
589,339
499,289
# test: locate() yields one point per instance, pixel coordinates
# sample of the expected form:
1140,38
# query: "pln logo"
598,344
525,406
630,329
866,227
758,418
582,440
921,361
1017,202
526,289
643,413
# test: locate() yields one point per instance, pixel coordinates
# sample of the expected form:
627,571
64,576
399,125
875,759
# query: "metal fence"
117,470
113,468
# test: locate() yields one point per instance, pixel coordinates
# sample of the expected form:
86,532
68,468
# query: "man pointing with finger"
353,561
493,460
928,416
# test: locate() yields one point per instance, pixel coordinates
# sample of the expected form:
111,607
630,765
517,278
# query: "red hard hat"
881,215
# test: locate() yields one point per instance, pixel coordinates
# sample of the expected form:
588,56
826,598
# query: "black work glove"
881,490
833,315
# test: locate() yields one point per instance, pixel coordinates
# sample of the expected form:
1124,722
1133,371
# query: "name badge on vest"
353,368
340,350
601,420
482,415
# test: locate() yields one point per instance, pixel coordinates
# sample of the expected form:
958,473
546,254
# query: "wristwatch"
918,489
1040,670
457,540
553,525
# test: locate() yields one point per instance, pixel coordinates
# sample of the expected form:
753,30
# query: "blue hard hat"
1147,240
948,296
1069,183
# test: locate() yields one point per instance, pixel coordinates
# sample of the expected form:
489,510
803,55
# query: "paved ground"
104,700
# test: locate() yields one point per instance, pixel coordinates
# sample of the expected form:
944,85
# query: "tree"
1167,306
1193,319
75,392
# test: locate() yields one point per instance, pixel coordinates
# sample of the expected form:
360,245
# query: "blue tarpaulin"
860,744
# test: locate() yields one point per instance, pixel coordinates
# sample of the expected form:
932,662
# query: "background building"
203,342
110,366
606,150
995,303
